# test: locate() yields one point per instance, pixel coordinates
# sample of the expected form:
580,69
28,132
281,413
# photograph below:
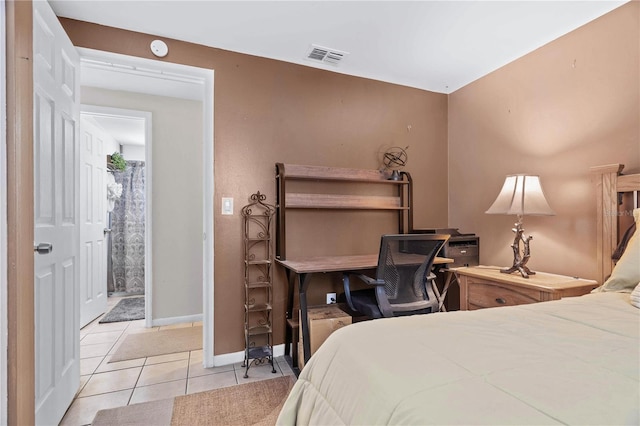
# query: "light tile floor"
109,385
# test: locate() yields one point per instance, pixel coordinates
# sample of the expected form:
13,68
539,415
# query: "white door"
57,315
93,211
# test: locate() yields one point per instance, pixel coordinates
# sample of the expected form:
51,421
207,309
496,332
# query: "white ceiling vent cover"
325,55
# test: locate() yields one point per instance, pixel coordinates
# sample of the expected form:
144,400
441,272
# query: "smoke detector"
325,55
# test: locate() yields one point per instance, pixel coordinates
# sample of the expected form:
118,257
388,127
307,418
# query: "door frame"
3,222
20,204
102,111
205,78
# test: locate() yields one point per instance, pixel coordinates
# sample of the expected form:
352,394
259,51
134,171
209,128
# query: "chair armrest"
347,286
347,291
368,280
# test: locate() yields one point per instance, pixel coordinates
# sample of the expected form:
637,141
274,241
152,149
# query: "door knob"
106,231
43,248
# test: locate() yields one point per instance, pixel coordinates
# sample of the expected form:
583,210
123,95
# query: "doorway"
116,255
53,120
142,76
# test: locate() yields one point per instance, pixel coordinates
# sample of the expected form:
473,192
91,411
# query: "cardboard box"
323,320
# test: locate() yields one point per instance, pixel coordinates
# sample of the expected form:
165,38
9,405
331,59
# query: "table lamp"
521,195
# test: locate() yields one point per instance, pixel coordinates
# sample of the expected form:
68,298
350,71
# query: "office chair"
404,283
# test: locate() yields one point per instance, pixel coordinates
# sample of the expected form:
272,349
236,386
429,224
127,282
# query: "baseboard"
176,320
235,357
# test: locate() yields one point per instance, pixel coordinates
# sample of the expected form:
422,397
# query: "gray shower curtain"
127,230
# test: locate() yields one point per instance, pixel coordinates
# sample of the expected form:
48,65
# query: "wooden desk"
301,269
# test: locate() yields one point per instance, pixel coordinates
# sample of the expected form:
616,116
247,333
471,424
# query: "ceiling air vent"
325,55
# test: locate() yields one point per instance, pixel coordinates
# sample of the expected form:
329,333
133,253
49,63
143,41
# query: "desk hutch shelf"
258,282
285,200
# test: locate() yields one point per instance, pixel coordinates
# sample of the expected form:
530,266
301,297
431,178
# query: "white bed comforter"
572,361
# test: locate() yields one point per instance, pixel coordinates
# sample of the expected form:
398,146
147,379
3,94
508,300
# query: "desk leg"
288,338
451,277
436,291
291,279
303,281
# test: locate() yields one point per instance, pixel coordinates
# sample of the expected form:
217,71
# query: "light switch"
227,205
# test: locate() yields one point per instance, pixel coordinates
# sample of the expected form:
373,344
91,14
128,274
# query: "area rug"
153,343
127,309
255,403
156,413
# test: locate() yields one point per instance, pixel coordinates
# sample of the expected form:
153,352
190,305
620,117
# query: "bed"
570,361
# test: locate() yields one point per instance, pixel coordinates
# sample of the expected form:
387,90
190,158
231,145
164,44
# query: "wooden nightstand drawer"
487,294
486,287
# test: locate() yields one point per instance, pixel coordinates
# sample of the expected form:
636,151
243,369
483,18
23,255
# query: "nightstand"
487,287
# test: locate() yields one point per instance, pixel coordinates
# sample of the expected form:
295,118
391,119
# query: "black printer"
464,249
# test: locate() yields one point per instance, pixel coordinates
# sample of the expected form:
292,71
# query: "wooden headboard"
612,189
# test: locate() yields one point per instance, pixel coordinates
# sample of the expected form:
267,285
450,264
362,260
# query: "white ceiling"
433,45
125,130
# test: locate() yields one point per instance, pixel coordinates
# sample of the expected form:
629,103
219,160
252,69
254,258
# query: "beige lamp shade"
521,195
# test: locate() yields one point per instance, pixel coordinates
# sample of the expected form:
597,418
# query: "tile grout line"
142,368
135,385
186,383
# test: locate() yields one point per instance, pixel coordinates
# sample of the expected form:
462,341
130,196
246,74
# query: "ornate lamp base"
520,257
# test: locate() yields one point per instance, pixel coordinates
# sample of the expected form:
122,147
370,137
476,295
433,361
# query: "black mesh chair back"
404,281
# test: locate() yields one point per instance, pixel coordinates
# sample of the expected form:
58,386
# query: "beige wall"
565,107
176,197
268,111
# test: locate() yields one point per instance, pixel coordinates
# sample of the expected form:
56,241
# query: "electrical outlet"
331,298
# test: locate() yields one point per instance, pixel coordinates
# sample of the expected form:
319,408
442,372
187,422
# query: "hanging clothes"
114,191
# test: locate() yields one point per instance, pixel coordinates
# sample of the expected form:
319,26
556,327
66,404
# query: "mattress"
571,361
